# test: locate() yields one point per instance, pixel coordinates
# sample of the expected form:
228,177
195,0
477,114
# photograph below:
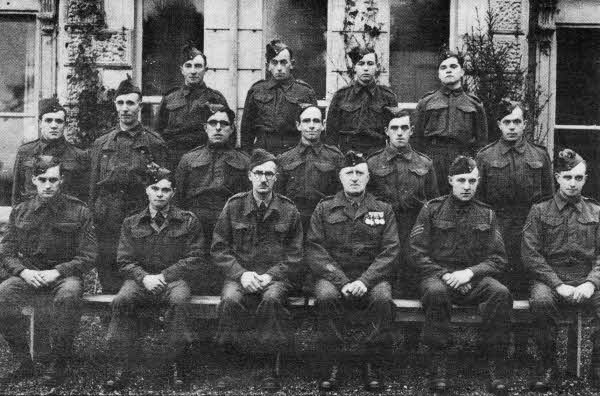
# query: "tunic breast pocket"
498,183
242,236
351,112
444,235
337,230
325,178
480,238
586,233
554,233
263,98
107,163
176,110
65,239
385,185
534,176
464,118
436,118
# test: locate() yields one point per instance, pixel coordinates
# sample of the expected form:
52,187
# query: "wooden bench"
407,311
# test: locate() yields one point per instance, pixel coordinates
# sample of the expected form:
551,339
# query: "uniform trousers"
262,317
61,302
134,303
334,312
547,306
492,298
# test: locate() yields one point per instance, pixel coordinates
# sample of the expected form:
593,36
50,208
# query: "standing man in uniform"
514,173
75,162
272,105
159,250
352,248
209,175
309,170
456,246
356,119
560,249
450,121
180,116
406,179
257,243
119,160
48,247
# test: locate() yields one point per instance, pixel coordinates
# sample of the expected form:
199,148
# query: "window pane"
302,25
168,26
418,29
578,77
17,55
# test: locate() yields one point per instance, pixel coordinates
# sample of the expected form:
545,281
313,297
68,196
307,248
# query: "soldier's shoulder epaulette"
170,90
29,144
428,94
154,134
482,204
475,98
487,147
239,195
539,146
327,198
423,156
286,199
591,200
375,153
333,148
197,148
543,199
242,154
75,200
258,83
302,82
283,156
437,200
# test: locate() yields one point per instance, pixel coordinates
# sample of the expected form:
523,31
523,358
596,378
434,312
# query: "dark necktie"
159,219
262,209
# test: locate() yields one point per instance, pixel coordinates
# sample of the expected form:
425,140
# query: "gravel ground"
404,374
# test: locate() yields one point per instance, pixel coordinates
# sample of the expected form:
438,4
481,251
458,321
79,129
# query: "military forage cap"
567,160
155,173
260,156
49,105
353,158
126,87
462,165
274,48
189,52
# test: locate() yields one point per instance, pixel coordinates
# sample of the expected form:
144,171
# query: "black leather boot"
331,381
437,370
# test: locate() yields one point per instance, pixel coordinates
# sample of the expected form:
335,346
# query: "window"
17,92
302,25
578,98
418,30
168,26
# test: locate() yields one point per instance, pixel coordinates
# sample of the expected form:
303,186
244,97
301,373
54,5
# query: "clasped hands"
459,280
253,282
155,284
39,279
354,289
576,294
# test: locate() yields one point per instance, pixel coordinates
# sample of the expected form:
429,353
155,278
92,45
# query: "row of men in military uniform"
351,258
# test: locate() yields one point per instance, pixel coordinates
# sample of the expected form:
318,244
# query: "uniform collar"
454,92
316,147
58,142
187,89
250,205
285,84
457,203
519,146
562,201
164,211
392,152
55,204
133,132
358,87
146,215
341,201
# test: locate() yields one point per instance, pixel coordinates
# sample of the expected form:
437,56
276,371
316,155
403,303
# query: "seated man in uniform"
160,248
50,244
257,243
352,247
457,249
560,249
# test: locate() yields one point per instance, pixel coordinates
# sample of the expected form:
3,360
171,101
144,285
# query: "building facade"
558,40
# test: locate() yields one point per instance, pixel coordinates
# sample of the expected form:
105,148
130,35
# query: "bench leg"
32,333
574,341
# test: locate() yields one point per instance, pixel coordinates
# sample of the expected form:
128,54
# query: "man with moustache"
119,159
257,244
208,176
355,119
457,248
309,170
75,162
271,105
352,247
449,121
560,249
49,245
514,173
160,248
180,116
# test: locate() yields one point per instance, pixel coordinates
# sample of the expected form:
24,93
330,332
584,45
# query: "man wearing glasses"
119,160
257,244
211,174
48,247
272,104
